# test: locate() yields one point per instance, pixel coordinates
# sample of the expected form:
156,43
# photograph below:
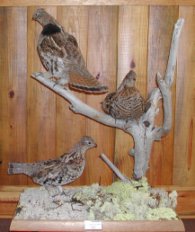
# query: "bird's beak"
34,17
95,145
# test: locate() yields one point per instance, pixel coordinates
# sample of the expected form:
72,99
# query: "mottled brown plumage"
61,56
59,171
127,102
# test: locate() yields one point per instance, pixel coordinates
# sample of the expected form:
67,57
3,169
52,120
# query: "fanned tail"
86,84
19,168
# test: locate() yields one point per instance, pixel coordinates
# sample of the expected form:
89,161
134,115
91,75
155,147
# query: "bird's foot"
132,152
77,206
46,75
55,192
60,81
54,79
57,200
36,74
65,86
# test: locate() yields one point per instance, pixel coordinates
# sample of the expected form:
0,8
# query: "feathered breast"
127,104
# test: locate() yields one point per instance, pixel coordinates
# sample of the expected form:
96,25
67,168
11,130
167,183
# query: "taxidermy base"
127,205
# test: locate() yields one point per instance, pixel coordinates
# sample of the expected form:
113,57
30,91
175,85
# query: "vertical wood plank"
41,125
101,58
184,142
13,56
71,127
132,46
161,23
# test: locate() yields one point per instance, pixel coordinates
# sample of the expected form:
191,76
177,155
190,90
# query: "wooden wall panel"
13,75
161,23
37,124
132,47
95,2
71,127
101,58
184,143
41,124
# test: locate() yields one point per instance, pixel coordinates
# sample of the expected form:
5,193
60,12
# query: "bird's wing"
48,173
55,40
65,46
80,77
107,102
128,103
68,44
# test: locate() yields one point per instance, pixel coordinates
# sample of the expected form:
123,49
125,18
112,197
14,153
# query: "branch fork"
144,131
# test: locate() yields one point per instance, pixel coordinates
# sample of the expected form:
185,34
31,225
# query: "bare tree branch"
79,107
144,131
114,168
167,108
169,75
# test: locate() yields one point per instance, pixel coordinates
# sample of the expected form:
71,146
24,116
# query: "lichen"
128,201
119,201
161,213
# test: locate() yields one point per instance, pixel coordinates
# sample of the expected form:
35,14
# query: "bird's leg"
63,82
77,202
62,79
55,193
47,75
50,76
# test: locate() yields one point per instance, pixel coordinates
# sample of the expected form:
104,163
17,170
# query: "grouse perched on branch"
61,56
127,102
59,171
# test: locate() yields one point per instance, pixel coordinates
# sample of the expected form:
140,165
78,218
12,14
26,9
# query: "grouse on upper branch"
61,56
127,102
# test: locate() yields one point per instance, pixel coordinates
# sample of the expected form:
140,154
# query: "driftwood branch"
114,168
78,106
144,131
169,75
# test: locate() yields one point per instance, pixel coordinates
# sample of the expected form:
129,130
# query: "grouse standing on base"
56,172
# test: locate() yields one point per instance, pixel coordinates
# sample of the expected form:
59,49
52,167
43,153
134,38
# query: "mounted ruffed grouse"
56,172
60,55
127,102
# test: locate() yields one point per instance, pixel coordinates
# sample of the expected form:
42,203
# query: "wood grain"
184,152
113,226
132,47
41,124
36,124
161,22
13,76
71,127
95,2
101,58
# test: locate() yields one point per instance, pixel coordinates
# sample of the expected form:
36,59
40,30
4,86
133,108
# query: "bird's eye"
89,142
37,15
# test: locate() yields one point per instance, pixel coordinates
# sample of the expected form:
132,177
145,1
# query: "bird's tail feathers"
86,84
18,168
